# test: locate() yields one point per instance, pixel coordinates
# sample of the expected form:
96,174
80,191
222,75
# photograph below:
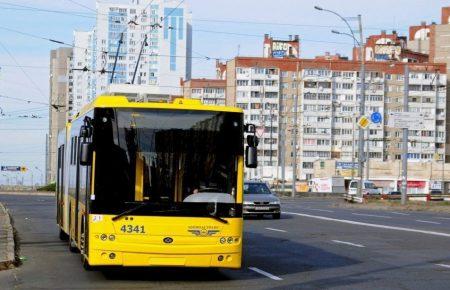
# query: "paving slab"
7,256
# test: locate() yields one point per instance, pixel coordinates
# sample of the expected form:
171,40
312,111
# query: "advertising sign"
407,120
280,49
346,165
322,185
11,168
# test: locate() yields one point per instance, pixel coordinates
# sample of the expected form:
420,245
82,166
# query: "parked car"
436,192
368,188
394,192
259,200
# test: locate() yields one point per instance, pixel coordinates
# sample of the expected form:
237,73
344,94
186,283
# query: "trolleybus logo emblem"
203,232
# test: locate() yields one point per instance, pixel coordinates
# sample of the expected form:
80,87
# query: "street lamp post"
294,137
360,42
405,138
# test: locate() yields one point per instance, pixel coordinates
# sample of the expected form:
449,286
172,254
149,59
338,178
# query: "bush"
48,187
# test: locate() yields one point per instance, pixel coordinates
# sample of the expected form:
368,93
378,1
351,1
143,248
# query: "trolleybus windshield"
174,161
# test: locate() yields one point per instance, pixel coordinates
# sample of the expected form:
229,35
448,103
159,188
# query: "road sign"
11,168
407,120
376,118
363,122
260,131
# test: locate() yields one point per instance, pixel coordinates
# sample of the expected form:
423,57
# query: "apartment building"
82,72
162,30
209,91
328,95
419,37
389,47
256,89
59,82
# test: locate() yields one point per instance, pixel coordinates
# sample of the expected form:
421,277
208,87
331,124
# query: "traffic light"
23,169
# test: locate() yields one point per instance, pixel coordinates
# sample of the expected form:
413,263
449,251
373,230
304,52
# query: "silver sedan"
259,200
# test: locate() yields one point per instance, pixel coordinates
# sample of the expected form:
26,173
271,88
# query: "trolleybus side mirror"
251,157
251,150
84,131
86,153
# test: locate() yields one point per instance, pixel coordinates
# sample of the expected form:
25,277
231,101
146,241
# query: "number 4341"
129,229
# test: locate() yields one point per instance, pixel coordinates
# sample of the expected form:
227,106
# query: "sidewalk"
6,240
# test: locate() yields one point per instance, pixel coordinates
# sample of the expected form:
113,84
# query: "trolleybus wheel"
62,235
72,246
86,265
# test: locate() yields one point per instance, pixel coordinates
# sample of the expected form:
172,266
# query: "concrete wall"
388,170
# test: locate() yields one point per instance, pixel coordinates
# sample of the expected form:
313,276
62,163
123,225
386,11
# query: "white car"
368,188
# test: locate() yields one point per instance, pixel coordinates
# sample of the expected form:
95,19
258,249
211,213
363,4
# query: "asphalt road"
313,246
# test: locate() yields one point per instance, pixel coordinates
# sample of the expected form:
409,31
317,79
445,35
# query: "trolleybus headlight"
112,256
103,237
112,238
223,240
230,240
220,258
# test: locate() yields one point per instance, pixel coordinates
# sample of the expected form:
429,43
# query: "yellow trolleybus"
154,184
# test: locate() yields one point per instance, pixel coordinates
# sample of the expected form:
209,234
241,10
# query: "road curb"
28,193
7,246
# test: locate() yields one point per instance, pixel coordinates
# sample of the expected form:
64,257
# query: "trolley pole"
405,139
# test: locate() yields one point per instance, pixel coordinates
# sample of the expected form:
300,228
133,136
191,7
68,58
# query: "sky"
216,35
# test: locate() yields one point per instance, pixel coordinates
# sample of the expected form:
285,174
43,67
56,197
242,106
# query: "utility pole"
437,84
353,147
262,124
282,144
362,107
271,136
294,136
367,154
405,138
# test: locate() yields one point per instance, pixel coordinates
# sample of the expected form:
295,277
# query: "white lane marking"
324,210
428,222
399,213
276,230
442,218
264,273
370,225
372,215
443,265
348,243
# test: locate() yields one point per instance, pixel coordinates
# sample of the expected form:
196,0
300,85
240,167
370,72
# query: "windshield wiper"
129,211
212,212
218,218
